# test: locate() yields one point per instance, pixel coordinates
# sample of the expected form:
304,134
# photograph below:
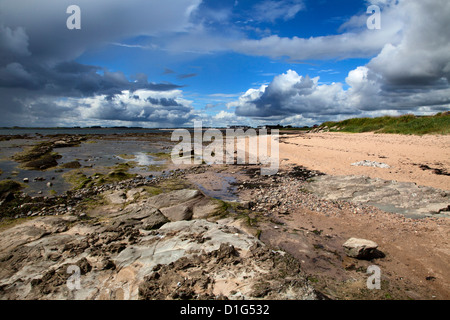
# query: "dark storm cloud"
278,97
38,52
28,80
156,110
14,42
163,102
72,79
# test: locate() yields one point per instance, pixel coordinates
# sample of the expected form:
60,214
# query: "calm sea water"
95,156
52,131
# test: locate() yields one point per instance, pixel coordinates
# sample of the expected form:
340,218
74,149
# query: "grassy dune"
407,124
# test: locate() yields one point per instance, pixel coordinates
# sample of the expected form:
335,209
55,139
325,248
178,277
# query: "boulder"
360,248
60,144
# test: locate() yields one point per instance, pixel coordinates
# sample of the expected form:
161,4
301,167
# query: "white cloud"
37,52
291,94
247,97
357,41
414,73
224,118
270,10
409,74
423,55
143,106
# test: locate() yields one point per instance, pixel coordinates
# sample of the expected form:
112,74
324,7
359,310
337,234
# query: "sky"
168,63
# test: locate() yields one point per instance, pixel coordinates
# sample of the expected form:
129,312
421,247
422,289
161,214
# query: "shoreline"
99,227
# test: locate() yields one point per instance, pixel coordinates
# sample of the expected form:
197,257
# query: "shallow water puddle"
220,186
96,155
143,159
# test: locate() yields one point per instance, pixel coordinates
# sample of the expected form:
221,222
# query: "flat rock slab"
33,230
135,252
405,198
173,198
146,217
183,205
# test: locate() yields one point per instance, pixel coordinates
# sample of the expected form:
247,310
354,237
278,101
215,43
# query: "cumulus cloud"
294,99
407,75
21,86
225,117
415,72
423,56
290,94
143,106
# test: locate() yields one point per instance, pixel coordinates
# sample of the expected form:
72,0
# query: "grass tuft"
406,124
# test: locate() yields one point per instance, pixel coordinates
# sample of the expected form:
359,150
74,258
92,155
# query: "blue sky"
168,63
230,72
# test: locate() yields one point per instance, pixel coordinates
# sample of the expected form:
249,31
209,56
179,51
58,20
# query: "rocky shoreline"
122,245
163,237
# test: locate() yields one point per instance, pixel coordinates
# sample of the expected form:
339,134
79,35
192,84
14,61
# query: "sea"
54,131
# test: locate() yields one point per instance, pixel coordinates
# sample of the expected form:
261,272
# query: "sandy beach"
334,153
